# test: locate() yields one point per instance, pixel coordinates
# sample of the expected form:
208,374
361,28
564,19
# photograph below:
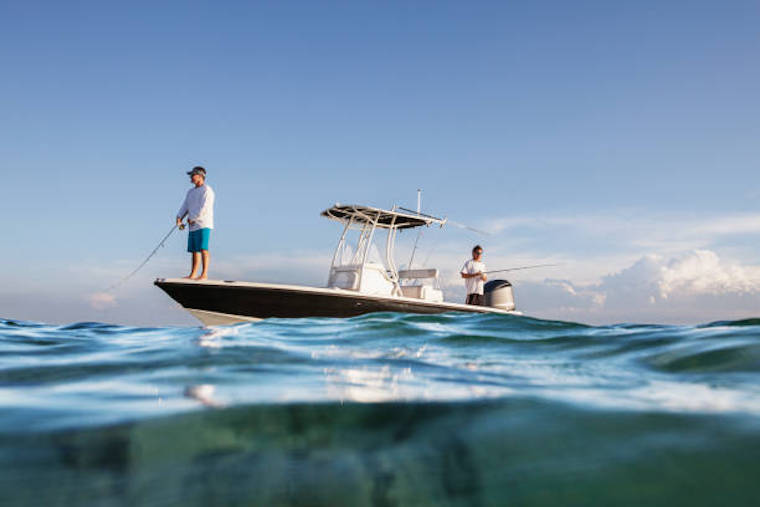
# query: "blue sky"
598,134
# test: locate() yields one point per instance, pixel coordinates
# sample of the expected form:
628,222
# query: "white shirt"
199,207
474,285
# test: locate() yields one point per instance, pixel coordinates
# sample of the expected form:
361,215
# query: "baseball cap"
197,170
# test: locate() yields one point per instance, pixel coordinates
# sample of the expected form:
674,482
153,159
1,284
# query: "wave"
382,409
382,357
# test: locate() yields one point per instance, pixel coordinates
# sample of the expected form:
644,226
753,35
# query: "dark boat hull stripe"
265,302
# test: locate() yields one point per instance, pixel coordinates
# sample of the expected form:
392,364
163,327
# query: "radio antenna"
419,233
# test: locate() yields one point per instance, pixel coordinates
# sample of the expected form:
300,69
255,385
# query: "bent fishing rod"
138,268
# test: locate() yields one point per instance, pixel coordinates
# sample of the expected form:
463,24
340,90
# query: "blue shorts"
198,240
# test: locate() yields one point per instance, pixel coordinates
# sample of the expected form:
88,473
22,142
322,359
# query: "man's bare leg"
196,261
206,259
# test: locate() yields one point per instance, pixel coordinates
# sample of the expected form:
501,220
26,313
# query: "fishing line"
468,228
521,268
138,268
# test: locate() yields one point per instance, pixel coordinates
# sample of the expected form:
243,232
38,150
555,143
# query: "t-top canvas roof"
384,218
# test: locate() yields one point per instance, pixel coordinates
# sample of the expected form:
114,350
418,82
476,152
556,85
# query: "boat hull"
225,302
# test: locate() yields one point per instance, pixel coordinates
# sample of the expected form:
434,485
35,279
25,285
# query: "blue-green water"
384,409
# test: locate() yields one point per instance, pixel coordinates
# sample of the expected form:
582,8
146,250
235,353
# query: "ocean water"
380,410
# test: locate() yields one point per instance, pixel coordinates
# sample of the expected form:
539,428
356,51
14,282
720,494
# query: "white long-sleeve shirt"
199,207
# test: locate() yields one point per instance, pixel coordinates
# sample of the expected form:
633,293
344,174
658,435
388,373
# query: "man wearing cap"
474,274
199,210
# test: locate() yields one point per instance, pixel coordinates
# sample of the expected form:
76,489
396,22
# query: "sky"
618,140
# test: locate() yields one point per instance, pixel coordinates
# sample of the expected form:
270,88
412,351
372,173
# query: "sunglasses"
478,252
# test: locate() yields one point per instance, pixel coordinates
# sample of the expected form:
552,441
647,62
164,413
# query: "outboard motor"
499,294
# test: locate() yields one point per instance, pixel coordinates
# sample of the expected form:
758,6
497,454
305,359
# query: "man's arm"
182,211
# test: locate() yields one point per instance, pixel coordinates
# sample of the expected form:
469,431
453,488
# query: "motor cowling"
499,294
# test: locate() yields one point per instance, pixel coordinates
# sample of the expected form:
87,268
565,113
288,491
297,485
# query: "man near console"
474,274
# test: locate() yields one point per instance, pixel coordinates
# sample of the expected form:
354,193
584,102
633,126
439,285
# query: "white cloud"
702,272
604,222
735,224
625,230
622,266
692,287
102,300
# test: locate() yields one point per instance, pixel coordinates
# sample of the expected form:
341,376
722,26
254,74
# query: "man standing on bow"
199,210
474,274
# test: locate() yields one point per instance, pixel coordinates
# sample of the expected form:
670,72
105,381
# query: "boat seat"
372,277
422,292
411,291
405,274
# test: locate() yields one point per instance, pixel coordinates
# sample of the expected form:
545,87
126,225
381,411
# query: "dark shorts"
476,299
198,240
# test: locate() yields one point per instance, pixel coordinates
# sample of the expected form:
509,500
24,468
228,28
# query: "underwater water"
380,410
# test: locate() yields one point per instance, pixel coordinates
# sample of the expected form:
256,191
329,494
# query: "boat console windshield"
358,266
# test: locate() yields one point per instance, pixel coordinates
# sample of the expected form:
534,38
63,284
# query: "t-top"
474,285
199,207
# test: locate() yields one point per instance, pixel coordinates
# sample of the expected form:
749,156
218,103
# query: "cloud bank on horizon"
616,266
102,300
693,287
614,281
630,266
622,146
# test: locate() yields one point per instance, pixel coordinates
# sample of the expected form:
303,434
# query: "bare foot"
202,277
188,277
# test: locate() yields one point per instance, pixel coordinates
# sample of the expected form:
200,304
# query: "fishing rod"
464,226
519,268
419,212
446,220
138,268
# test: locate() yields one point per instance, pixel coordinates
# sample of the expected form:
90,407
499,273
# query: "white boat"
359,281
